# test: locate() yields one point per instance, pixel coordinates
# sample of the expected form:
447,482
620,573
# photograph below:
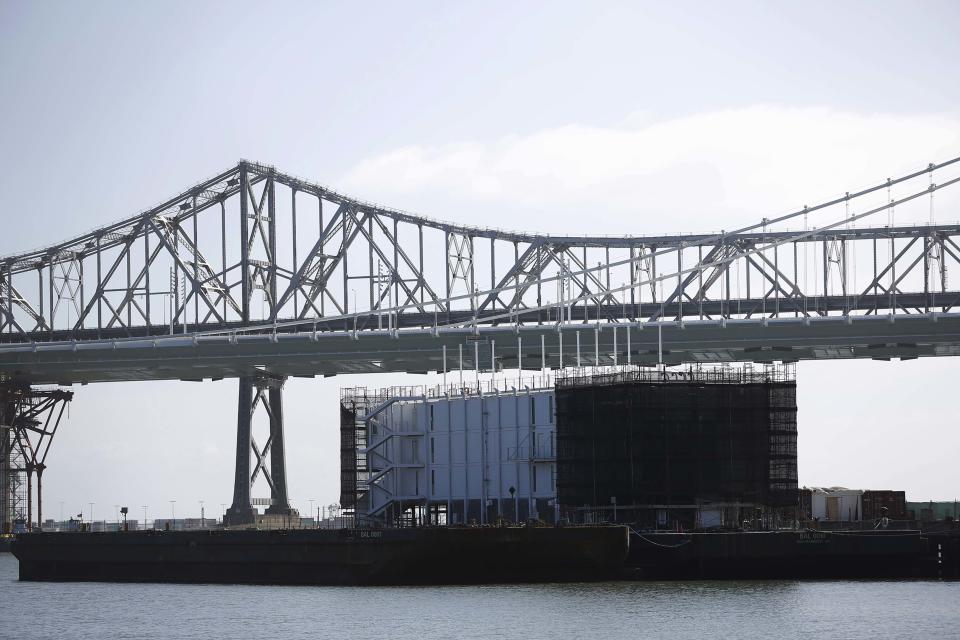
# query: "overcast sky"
555,117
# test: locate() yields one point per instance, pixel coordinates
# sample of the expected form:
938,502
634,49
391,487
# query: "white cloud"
695,173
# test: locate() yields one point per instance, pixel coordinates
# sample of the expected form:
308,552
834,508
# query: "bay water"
673,610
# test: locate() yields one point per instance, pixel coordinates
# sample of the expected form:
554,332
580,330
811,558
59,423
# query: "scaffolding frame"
654,446
29,419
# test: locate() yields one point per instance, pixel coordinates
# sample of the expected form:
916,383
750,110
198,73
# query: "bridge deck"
304,353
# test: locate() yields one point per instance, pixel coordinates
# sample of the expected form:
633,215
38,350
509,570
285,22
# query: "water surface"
674,610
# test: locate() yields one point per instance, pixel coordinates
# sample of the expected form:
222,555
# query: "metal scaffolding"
29,418
675,442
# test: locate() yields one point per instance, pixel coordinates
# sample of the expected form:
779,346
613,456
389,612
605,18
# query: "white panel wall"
467,452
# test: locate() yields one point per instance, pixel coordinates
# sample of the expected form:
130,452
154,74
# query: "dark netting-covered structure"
701,447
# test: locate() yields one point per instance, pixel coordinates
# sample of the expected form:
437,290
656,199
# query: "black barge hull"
786,554
329,557
479,555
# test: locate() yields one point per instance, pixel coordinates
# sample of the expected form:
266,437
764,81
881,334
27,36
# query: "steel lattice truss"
29,419
254,251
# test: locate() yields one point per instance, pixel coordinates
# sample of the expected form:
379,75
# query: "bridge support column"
29,468
39,469
278,462
241,511
7,472
266,392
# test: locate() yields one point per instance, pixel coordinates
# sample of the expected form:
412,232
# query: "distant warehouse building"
934,511
703,447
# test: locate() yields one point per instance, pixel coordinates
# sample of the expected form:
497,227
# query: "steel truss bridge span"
256,270
258,275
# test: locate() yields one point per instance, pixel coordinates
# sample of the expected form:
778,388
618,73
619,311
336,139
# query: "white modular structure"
468,457
837,504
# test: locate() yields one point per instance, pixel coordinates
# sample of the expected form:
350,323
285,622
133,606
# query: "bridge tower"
261,390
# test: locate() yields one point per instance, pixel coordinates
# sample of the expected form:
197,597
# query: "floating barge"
792,554
465,555
455,555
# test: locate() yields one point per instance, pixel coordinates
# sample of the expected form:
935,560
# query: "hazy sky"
556,117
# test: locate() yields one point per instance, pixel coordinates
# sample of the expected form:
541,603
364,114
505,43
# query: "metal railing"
725,373
479,387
